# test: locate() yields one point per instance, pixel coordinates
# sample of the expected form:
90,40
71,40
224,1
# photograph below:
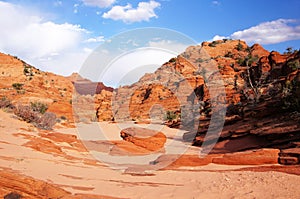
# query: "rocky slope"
22,84
260,90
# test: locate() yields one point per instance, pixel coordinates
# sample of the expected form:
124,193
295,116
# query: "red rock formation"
259,51
35,86
12,183
144,138
256,157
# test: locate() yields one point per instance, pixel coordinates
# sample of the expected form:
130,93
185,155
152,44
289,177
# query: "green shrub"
26,71
17,86
289,50
228,54
186,56
170,116
46,121
39,107
172,60
239,47
213,44
5,103
26,113
291,100
241,62
43,121
294,65
225,40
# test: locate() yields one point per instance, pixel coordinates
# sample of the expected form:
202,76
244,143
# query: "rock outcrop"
148,139
260,90
13,185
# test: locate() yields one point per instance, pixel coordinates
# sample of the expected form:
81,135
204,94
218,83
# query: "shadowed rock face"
263,116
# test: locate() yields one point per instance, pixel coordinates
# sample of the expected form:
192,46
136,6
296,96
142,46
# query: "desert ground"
60,159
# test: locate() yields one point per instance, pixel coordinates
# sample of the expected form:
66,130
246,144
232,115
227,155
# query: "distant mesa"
85,86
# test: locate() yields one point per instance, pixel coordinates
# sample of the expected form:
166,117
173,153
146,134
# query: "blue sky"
58,35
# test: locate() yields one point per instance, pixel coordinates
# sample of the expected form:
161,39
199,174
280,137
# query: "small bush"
172,60
13,195
5,103
228,54
290,95
46,121
241,62
26,71
26,113
289,50
213,44
170,116
186,56
294,65
239,47
17,86
39,107
43,121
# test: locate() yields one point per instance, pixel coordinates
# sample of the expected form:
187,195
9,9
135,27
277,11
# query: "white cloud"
169,45
57,3
98,3
128,14
95,39
75,6
47,45
218,37
88,50
129,67
216,3
270,32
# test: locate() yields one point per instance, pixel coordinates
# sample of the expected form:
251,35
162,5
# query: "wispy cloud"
128,14
95,39
270,32
48,45
58,3
75,6
168,44
216,3
98,3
